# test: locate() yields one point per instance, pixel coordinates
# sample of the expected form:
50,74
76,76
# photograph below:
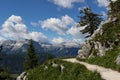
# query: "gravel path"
107,74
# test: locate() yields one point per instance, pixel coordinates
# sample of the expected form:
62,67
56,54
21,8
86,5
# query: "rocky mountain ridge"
59,50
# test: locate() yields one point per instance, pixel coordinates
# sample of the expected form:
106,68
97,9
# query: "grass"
107,61
14,76
72,71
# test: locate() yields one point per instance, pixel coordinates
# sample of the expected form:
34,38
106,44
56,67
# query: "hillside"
103,47
61,70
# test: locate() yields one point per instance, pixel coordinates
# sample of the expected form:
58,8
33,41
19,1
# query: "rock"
92,48
101,49
54,64
62,68
84,52
46,67
22,76
118,60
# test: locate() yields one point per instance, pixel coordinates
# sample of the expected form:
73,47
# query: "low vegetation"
107,61
71,71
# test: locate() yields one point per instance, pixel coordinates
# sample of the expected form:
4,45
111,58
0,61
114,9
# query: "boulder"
118,60
92,48
85,50
22,76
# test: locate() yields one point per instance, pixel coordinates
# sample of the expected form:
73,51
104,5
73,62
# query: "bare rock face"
118,60
22,76
85,50
92,48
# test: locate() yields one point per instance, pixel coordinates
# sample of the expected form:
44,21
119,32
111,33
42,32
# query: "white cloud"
38,36
65,26
2,39
103,3
66,3
14,28
58,40
75,32
104,14
34,24
67,43
58,25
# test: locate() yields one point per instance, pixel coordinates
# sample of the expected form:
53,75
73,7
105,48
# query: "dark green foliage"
90,20
1,47
31,60
49,56
4,73
114,8
72,71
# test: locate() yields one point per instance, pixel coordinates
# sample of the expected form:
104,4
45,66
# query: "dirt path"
107,74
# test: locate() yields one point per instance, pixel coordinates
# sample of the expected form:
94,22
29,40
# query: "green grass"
107,61
14,76
72,71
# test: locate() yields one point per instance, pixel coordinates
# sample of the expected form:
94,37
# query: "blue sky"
45,20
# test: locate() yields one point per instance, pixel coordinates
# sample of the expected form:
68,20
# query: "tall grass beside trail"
71,71
107,61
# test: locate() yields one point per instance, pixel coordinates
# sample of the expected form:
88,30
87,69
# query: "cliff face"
93,47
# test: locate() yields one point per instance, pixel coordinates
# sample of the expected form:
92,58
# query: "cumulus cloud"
58,25
66,42
65,3
75,32
65,26
14,28
2,39
103,3
58,40
104,14
38,36
34,24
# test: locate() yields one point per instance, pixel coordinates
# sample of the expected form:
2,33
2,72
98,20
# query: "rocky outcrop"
92,48
22,76
118,60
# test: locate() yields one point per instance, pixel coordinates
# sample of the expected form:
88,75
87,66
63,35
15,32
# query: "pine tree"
114,8
31,60
1,47
4,74
90,20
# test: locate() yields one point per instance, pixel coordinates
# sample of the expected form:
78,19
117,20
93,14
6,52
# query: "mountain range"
58,50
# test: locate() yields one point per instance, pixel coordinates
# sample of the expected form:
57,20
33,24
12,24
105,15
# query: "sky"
51,21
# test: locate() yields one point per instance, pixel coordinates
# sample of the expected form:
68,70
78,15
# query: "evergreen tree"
31,60
1,47
4,74
114,8
90,20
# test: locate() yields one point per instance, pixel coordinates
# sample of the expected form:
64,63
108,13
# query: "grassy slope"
71,72
108,60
